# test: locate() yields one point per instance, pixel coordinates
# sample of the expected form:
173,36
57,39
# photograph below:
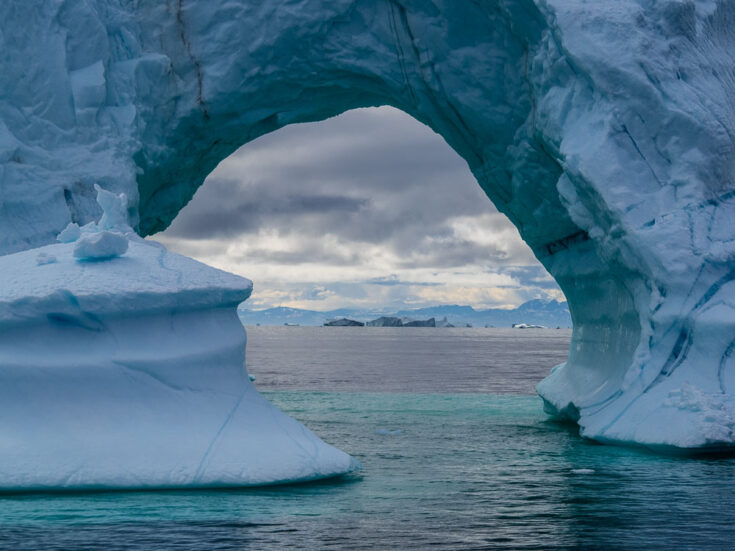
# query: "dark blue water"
463,461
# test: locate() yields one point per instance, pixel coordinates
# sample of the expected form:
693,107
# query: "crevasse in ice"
603,130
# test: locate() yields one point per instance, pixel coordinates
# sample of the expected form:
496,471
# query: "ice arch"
603,131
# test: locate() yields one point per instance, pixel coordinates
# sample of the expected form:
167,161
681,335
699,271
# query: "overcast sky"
369,209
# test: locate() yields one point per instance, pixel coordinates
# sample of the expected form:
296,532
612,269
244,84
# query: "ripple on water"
467,472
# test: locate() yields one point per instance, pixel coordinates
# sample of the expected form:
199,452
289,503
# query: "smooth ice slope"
604,130
129,373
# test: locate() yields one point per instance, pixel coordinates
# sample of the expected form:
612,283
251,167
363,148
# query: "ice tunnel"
603,131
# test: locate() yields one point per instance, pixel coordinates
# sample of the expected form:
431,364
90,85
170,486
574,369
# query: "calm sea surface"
457,454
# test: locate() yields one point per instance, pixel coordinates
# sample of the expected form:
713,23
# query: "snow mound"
45,258
99,246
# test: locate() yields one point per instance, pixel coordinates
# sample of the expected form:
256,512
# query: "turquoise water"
449,471
457,470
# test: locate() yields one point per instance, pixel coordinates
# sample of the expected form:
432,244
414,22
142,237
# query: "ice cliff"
603,130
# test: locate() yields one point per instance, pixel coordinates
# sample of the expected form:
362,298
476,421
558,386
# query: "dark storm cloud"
382,150
230,209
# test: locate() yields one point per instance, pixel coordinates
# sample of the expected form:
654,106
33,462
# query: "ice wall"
604,130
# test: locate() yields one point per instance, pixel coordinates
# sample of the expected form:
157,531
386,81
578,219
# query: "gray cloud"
230,209
369,179
452,253
338,191
532,276
393,279
312,252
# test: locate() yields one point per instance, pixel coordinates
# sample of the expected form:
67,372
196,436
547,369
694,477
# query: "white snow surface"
130,373
605,131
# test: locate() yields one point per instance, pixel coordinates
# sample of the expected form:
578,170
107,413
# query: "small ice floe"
583,471
45,258
389,432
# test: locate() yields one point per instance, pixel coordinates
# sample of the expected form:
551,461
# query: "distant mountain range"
550,313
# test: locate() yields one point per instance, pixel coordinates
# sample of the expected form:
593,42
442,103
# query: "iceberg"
431,322
603,130
391,321
343,322
129,372
385,321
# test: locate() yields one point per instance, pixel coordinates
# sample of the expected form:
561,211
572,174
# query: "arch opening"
367,211
606,327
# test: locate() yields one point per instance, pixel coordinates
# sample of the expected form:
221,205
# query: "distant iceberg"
390,321
385,321
344,322
431,322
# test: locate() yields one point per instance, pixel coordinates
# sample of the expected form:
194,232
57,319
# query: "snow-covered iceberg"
603,130
128,371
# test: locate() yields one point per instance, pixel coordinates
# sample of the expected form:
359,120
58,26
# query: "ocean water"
404,359
457,454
